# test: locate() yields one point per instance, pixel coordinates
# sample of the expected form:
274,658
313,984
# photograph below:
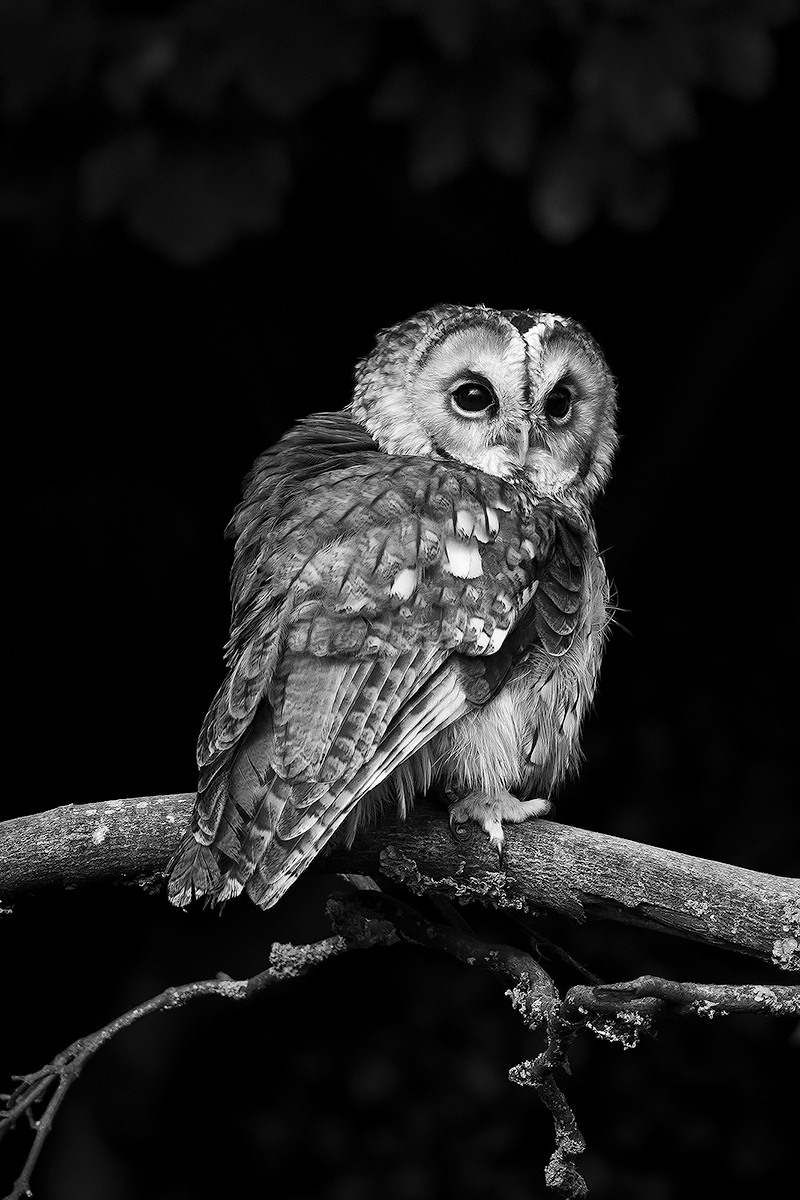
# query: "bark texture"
555,868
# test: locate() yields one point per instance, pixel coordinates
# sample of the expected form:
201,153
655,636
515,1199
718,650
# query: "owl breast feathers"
417,597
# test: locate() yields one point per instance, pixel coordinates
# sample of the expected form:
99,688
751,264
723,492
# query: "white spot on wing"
484,642
100,834
463,559
492,522
355,604
497,639
465,523
478,626
405,583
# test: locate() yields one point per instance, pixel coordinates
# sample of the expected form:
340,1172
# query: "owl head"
509,392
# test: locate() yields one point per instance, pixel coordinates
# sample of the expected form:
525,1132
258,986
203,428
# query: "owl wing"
375,600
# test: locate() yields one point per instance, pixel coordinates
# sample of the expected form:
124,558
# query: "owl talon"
489,811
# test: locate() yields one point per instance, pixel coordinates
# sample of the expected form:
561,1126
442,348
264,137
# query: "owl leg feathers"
490,809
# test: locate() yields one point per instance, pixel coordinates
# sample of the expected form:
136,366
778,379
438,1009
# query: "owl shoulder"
314,446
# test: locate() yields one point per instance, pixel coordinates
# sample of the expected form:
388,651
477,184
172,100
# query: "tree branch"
619,1012
549,867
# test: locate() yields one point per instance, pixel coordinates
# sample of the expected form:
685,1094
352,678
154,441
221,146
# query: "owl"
418,600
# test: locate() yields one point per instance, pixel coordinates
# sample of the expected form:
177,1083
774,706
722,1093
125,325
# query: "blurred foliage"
190,120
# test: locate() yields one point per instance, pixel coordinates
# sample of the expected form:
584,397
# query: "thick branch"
550,867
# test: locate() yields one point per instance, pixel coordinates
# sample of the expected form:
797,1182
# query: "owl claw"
489,811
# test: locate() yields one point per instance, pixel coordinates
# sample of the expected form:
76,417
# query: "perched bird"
418,599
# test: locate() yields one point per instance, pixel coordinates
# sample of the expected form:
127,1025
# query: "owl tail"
234,783
193,872
291,823
251,828
256,832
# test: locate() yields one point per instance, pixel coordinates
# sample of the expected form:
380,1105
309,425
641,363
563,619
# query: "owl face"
509,392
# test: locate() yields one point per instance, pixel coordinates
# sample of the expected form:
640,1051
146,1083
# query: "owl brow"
573,334
568,379
455,325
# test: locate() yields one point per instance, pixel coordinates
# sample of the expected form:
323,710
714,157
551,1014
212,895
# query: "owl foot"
489,810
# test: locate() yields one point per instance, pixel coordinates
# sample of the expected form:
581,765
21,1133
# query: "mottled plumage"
417,597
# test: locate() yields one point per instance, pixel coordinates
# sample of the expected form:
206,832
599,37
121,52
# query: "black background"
138,391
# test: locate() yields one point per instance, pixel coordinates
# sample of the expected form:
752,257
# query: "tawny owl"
418,599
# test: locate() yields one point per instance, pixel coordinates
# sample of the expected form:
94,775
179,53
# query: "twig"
621,1012
538,939
286,962
534,995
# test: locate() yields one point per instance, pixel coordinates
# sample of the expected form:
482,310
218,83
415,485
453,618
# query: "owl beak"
522,443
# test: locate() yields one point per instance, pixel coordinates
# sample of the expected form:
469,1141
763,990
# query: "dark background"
208,209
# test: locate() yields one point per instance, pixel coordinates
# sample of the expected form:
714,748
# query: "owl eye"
558,403
473,398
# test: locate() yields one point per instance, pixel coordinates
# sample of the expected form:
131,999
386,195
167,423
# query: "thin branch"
621,1012
534,996
368,918
618,1012
286,962
574,873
